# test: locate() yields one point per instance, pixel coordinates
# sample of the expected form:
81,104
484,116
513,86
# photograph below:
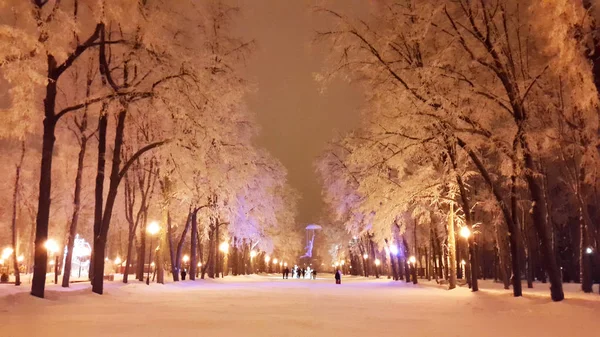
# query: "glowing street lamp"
253,254
118,261
21,258
412,260
463,262
465,232
6,253
377,262
199,264
224,247
589,250
285,264
342,262
186,258
267,259
275,261
394,249
336,264
152,229
52,248
365,256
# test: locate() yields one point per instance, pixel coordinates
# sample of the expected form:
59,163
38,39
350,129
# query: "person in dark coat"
285,271
314,274
338,277
183,274
303,272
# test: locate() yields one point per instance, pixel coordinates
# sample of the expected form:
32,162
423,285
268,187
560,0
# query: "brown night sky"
297,120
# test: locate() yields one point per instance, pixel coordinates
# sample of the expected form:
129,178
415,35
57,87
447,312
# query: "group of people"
299,273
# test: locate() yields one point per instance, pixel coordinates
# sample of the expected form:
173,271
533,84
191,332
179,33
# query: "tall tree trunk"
468,218
76,203
539,221
130,238
102,235
514,232
180,244
194,242
99,188
451,249
141,258
15,249
41,229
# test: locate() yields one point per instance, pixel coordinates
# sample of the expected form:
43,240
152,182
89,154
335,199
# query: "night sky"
297,120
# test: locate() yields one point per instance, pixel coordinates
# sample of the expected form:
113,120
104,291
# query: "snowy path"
261,306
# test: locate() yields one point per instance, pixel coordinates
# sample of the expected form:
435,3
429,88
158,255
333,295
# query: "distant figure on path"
285,273
314,274
338,277
183,274
303,272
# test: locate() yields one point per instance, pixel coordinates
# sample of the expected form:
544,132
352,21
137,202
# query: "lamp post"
253,254
224,249
267,259
152,229
471,275
118,264
413,261
52,248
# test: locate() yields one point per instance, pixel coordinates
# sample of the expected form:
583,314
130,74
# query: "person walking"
303,272
338,277
183,274
314,274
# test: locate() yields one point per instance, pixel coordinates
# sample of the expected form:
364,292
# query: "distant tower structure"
310,239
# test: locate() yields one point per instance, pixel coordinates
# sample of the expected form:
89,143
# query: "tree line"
137,107
481,119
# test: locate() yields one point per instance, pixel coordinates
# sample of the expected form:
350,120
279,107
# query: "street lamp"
394,249
117,263
365,256
267,259
275,261
186,258
412,260
465,232
285,264
152,229
377,262
589,250
253,254
224,247
52,248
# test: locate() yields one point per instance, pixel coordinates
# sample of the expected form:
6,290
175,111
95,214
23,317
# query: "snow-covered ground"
268,306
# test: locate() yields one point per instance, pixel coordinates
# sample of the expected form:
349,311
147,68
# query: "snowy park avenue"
266,306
